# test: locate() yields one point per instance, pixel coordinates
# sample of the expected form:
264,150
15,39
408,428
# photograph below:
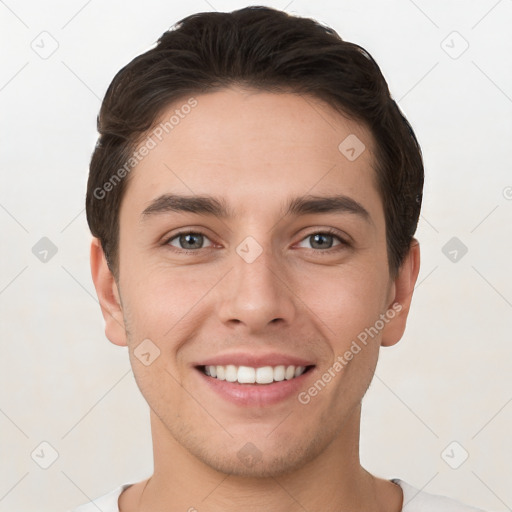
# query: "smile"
251,375
255,379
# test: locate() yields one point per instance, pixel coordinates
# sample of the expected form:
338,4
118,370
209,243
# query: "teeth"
265,375
298,371
279,373
231,373
248,375
221,372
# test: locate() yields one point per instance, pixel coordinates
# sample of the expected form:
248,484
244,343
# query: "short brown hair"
265,49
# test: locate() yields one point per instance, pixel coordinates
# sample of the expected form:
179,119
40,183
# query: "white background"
449,379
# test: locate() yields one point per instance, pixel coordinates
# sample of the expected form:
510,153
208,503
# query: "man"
253,198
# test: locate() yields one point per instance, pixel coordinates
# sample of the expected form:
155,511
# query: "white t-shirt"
414,501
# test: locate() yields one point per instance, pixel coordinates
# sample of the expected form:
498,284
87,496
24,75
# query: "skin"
255,150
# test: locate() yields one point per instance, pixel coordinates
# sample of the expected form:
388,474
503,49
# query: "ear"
401,296
108,295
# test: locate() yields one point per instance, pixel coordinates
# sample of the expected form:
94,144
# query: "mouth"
262,375
261,385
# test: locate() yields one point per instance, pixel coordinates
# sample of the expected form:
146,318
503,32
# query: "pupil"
318,239
189,239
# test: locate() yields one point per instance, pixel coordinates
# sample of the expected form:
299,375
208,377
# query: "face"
253,283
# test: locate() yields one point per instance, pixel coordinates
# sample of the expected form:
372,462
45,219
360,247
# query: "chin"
256,457
257,464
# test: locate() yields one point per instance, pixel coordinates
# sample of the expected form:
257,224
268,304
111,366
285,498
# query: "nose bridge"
257,293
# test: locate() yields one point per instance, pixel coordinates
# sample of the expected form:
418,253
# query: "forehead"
252,147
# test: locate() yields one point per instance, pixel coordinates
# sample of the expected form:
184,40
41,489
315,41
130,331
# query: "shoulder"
416,500
106,503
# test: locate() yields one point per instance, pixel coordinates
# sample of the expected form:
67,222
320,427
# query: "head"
307,182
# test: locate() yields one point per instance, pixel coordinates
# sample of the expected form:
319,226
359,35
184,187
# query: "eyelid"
343,239
168,239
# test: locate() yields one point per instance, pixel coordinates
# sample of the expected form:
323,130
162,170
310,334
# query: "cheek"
160,298
346,301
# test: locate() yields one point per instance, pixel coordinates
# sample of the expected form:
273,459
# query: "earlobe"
403,287
108,295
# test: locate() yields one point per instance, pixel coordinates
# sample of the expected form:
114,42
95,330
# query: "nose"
257,294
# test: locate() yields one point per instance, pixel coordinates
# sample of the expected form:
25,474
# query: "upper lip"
254,360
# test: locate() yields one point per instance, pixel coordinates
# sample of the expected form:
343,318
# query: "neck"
330,482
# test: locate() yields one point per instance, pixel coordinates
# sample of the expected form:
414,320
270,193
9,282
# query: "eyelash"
329,232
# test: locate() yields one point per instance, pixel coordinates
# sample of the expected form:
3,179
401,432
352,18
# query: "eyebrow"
211,206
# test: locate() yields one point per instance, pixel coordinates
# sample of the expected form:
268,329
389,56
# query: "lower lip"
256,395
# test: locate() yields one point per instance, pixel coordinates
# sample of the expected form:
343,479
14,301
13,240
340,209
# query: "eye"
323,240
188,240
